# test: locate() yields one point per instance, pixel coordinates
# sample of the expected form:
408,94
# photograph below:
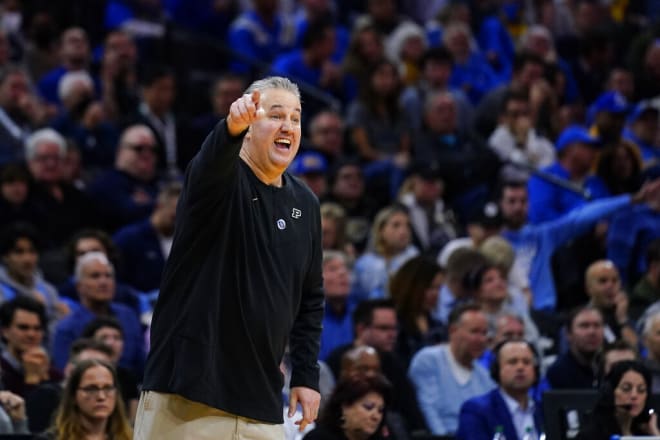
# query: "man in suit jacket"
509,407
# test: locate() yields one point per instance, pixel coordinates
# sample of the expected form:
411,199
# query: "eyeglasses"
142,148
94,391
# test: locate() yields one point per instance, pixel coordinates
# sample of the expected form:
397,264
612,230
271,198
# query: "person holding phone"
623,404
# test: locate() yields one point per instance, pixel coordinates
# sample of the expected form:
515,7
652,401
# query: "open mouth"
283,143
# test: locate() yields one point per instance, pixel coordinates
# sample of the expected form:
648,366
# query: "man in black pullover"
243,279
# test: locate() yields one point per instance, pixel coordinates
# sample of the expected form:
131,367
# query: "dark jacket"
243,279
481,415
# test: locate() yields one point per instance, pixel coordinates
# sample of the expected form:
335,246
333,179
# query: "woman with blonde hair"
91,407
391,246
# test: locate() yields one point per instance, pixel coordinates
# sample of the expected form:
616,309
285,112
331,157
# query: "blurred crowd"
488,171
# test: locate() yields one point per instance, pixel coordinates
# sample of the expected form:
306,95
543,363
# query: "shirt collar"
513,405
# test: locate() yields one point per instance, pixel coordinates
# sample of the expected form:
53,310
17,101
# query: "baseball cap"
612,102
309,162
573,134
487,215
425,170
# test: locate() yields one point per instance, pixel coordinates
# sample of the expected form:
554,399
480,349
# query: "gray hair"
44,135
274,82
433,96
70,79
89,257
649,322
330,254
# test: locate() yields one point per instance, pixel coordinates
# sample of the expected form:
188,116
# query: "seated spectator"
375,325
509,408
576,150
43,401
108,331
22,113
363,360
356,409
365,50
467,166
145,246
95,240
516,141
617,351
447,375
337,325
259,34
642,130
578,367
333,228
460,285
127,193
90,405
118,74
311,168
647,290
347,188
433,223
95,282
607,116
53,198
508,327
651,344
326,135
391,248
603,286
25,363
19,271
622,407
405,47
84,121
15,206
75,56
414,289
620,168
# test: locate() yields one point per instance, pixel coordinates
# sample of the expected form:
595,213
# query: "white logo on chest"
296,213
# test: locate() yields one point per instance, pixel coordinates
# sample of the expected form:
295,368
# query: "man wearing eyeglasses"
127,193
25,364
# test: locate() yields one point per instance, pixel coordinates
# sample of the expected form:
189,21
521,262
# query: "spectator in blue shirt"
577,151
642,129
337,323
607,117
95,281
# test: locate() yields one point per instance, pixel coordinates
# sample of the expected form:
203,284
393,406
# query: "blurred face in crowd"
137,153
327,133
468,337
652,340
362,418
160,94
631,390
75,47
586,334
14,191
437,73
367,363
513,205
121,48
432,292
89,244
396,232
329,232
385,79
370,45
349,183
336,279
96,395
113,338
21,261
226,91
24,332
508,328
529,74
47,162
516,113
646,126
622,81
493,287
516,362
427,190
96,283
614,356
382,332
603,283
13,90
440,114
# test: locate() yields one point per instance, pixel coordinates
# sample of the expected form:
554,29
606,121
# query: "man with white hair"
84,120
95,283
127,193
52,198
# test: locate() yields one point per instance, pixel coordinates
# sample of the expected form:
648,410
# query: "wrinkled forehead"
280,99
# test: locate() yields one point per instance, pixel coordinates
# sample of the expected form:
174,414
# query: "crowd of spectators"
488,171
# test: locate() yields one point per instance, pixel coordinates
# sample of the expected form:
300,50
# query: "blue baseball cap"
612,102
309,162
574,134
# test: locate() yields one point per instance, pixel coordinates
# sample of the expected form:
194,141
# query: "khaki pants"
171,417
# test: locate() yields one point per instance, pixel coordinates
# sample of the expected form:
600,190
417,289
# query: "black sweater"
243,279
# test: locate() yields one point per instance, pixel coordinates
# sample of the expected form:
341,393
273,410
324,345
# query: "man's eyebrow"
280,106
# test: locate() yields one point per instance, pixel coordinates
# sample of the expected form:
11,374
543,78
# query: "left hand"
13,404
309,401
651,427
